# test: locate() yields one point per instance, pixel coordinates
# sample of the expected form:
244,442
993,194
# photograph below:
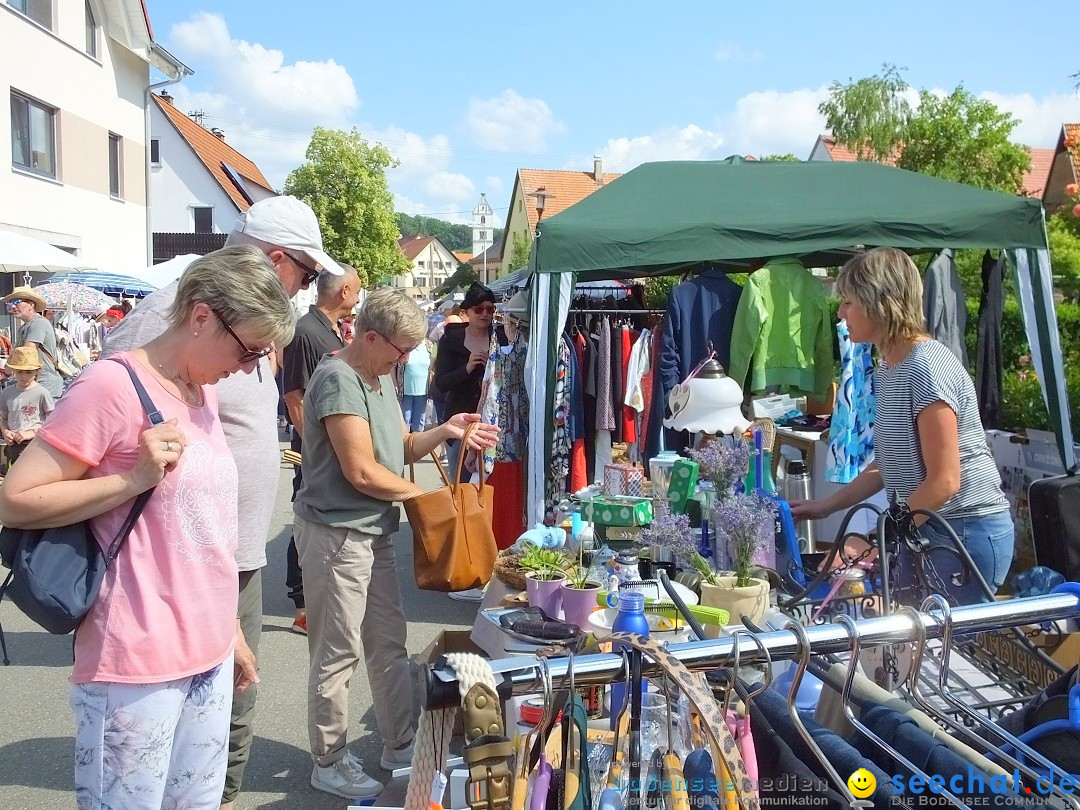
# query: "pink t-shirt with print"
167,607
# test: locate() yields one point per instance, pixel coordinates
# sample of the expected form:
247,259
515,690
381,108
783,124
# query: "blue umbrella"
112,284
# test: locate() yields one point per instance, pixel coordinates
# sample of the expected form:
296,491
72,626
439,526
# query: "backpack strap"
144,497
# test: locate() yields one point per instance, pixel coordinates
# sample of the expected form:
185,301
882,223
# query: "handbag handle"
461,462
709,712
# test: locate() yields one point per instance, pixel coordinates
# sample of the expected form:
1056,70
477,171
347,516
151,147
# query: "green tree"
519,252
1063,233
869,116
785,158
343,179
960,137
465,276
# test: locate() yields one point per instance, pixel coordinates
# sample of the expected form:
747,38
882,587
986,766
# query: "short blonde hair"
391,313
238,283
886,283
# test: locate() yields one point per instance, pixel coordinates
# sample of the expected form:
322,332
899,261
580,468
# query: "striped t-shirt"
930,373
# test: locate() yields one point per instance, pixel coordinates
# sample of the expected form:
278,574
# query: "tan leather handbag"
453,545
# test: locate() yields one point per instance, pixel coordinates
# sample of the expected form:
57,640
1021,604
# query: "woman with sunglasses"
159,654
462,357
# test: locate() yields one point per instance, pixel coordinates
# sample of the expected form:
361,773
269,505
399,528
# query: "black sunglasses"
14,302
310,273
247,354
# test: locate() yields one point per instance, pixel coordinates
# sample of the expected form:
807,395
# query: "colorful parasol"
57,294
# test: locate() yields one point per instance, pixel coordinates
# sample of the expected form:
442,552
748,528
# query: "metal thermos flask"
797,488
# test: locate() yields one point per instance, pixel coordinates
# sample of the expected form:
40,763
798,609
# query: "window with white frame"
155,151
420,264
421,281
40,11
91,31
204,218
33,136
114,165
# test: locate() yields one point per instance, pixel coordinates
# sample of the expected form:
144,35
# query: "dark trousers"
294,576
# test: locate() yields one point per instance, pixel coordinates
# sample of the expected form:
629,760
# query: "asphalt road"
36,724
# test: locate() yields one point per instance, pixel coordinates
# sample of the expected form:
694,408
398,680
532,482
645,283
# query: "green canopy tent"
664,218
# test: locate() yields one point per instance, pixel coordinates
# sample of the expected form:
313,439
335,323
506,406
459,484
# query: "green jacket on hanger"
782,333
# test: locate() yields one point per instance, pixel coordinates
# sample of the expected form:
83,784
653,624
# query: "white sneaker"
346,778
471,595
394,758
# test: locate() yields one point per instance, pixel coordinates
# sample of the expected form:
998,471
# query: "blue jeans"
414,409
988,539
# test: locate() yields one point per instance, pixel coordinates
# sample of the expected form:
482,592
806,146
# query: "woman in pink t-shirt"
154,659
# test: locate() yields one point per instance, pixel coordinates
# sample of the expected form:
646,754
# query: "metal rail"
521,674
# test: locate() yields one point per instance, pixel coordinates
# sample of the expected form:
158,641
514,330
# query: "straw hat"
26,294
24,358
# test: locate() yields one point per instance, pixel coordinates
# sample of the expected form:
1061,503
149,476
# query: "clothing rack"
616,311
521,675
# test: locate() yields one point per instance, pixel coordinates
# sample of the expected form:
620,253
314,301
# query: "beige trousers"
352,595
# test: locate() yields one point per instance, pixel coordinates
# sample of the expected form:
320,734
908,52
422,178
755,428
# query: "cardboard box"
622,511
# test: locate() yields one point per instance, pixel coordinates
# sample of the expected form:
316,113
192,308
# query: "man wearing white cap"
286,230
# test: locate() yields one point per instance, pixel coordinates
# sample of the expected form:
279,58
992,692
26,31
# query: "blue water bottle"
631,619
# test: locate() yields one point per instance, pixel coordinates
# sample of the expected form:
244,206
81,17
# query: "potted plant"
544,574
673,532
579,592
723,466
749,524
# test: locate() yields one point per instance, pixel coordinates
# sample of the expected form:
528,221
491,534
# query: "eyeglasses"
310,273
484,309
14,302
247,354
401,352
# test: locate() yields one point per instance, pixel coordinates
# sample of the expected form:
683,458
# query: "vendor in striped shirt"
930,448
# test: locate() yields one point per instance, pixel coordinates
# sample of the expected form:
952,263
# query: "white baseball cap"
288,223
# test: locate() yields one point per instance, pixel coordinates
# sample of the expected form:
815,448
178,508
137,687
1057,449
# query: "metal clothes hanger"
674,782
852,629
542,780
612,795
803,648
942,604
913,688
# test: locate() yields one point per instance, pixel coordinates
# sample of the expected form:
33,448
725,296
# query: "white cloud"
1040,118
419,157
257,78
451,187
493,188
691,142
775,122
734,52
510,122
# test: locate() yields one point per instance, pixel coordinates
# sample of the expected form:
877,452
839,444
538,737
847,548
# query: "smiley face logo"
862,784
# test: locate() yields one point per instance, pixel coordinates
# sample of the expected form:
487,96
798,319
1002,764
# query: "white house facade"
76,73
432,263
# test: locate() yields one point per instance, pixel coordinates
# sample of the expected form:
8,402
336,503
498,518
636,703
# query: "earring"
196,334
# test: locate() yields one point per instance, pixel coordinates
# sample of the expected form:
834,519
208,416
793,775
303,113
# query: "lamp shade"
711,402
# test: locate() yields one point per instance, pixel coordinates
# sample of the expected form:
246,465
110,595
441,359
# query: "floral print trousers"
158,745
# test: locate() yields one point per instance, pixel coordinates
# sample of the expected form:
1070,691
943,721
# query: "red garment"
628,414
508,519
579,476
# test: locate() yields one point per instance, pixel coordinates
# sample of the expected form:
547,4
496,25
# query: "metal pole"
522,672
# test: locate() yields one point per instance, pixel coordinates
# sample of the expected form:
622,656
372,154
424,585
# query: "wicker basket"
507,570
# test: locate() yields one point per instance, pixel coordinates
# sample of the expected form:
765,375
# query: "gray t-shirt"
248,412
326,496
25,409
928,374
38,330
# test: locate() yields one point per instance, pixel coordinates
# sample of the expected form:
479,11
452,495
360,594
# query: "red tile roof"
564,189
462,255
1032,185
215,155
412,245
1035,178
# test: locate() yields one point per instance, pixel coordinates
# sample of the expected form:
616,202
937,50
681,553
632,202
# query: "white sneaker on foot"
346,778
394,758
471,595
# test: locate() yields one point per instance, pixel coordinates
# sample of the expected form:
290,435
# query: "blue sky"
463,94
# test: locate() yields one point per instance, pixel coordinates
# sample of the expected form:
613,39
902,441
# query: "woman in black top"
462,358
